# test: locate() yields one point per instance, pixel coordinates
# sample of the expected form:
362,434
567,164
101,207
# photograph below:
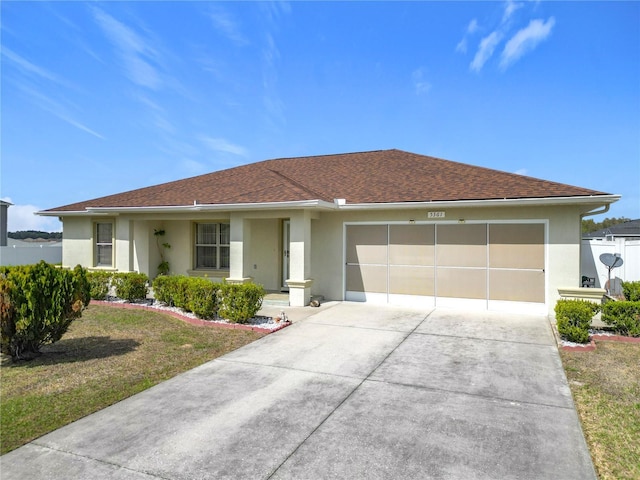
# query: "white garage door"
485,265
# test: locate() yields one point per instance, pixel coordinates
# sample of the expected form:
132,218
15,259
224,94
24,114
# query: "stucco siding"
77,242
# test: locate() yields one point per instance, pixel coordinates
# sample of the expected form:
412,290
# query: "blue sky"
103,97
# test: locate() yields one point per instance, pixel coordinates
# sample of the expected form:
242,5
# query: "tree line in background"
33,234
588,225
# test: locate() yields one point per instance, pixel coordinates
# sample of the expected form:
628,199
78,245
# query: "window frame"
218,246
97,244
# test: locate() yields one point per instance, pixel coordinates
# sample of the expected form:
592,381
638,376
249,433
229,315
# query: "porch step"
276,300
282,299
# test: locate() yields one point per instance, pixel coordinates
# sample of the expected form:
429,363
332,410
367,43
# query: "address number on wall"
435,214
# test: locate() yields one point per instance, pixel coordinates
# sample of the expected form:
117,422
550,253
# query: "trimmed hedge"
100,282
207,299
131,286
574,319
202,297
624,317
240,302
173,290
37,305
631,291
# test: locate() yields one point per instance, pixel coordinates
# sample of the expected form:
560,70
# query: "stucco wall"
562,255
77,242
135,246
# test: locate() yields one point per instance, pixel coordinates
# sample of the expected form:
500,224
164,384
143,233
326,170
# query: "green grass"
606,389
105,356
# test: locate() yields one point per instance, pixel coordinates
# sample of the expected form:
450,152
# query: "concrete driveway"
352,391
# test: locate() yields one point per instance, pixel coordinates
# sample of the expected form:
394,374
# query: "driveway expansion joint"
470,394
349,395
97,460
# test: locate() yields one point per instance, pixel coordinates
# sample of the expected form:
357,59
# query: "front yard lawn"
105,356
606,389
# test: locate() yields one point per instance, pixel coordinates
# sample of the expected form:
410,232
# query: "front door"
286,231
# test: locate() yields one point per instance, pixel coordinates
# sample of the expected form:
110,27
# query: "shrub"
99,282
631,291
574,319
239,303
161,288
203,297
131,286
38,303
172,290
624,317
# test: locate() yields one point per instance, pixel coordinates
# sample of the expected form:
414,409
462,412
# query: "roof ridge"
297,184
332,155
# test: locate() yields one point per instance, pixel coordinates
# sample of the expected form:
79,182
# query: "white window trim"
217,245
97,244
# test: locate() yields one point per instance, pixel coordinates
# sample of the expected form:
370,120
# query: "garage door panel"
517,285
366,278
411,244
462,245
367,244
516,246
461,283
408,280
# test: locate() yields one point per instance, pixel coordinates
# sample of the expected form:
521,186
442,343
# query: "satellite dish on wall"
611,260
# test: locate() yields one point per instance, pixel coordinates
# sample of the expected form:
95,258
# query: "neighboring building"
622,239
381,226
17,252
630,229
4,207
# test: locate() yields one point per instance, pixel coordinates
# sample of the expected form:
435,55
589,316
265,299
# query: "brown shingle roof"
382,176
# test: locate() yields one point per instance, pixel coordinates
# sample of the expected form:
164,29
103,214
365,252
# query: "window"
104,244
212,245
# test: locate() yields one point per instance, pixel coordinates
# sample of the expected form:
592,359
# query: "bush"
37,305
624,317
574,319
202,297
631,291
162,289
239,303
131,286
100,282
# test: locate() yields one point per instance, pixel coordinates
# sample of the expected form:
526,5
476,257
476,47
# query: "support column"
124,244
299,282
240,249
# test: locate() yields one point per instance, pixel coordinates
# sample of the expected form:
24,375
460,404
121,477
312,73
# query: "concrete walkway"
352,391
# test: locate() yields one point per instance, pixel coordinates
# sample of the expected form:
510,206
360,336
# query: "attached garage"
491,265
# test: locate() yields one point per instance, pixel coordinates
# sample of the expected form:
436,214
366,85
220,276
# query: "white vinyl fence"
26,255
591,266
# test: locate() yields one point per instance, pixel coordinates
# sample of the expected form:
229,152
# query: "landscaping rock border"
185,317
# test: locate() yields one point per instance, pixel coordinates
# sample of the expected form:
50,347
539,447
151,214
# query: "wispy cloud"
510,8
224,22
487,46
30,68
525,40
158,113
137,54
471,29
222,145
57,109
421,85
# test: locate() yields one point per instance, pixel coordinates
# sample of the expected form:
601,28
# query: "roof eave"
595,200
196,207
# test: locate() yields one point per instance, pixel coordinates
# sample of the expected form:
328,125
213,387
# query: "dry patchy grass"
105,356
606,389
